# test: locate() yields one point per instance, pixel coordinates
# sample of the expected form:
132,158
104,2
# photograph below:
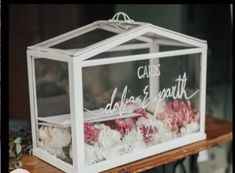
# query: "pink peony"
148,132
179,114
123,127
90,133
140,111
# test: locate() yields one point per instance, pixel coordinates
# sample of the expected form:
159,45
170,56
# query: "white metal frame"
78,59
31,56
158,148
175,38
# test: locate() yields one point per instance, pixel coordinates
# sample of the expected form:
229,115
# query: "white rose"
53,139
108,137
44,134
51,147
134,139
153,109
192,128
61,137
90,154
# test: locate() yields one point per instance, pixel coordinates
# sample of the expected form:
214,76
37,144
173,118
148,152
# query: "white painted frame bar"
202,96
135,46
123,47
31,99
49,55
112,60
76,103
31,56
172,43
154,81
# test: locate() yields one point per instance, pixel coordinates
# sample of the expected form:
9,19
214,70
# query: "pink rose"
90,133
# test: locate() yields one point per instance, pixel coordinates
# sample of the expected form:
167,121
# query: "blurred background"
31,24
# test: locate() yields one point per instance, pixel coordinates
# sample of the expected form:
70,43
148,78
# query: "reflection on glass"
52,87
120,117
52,91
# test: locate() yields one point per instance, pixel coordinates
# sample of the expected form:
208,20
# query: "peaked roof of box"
125,31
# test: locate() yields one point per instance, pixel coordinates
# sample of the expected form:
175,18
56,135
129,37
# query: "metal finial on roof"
126,18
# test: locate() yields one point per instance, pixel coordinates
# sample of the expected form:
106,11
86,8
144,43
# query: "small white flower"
192,127
166,136
93,154
71,151
115,151
149,121
153,109
189,129
90,154
183,131
61,137
134,139
108,137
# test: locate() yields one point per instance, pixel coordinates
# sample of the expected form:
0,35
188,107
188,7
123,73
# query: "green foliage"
19,143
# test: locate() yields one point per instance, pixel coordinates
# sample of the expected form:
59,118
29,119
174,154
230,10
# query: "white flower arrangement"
107,136
53,139
105,141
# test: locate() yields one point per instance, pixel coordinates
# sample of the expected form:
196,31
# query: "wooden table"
218,132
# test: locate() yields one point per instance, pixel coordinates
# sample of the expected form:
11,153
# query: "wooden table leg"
229,159
164,168
181,164
193,163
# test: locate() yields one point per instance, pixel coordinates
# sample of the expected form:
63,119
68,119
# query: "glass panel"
120,53
85,40
125,112
52,87
54,126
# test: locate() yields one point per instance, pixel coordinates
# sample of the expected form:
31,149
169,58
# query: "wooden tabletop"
218,132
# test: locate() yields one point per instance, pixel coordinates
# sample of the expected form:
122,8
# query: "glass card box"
113,92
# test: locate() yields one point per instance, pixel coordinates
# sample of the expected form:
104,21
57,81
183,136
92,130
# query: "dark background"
31,24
